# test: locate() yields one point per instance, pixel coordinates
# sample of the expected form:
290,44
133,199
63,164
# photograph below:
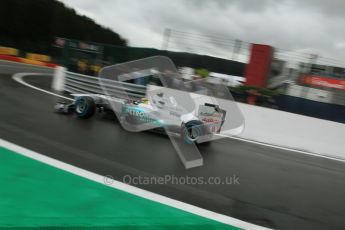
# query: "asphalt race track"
278,188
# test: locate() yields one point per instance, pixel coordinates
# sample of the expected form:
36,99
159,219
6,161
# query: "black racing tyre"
192,130
85,107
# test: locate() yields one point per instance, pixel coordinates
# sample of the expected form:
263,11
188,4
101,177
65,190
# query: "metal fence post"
59,78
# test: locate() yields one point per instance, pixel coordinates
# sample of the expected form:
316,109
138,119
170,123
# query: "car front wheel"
85,107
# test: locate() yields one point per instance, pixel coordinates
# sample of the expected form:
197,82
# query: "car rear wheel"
192,130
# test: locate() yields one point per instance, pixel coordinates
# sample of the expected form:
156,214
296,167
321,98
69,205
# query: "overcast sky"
306,26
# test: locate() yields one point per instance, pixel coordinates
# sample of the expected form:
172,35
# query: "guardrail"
80,83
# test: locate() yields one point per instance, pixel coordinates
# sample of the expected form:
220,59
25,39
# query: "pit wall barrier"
264,125
293,131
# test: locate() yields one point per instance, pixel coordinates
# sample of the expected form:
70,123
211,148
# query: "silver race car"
153,113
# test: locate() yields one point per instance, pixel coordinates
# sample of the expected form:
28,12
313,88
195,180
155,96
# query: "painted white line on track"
284,148
290,149
18,77
128,188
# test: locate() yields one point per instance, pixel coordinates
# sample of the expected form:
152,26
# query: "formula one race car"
158,111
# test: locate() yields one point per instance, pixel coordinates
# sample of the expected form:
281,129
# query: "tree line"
33,25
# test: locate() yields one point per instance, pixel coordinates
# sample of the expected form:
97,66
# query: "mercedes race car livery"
156,112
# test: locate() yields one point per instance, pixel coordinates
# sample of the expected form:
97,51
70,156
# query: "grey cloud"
289,24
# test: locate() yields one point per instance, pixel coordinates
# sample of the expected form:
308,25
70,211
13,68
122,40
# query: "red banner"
324,82
257,70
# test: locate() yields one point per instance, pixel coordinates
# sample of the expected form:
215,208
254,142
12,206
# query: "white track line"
290,149
284,148
18,77
128,188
